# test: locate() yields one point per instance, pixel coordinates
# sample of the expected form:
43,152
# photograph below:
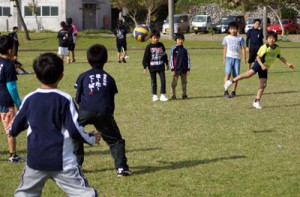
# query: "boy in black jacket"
180,65
155,58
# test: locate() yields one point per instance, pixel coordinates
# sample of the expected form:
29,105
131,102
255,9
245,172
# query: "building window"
5,11
42,11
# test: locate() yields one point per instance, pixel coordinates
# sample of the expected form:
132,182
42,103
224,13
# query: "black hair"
155,33
6,43
179,35
69,21
63,24
97,55
257,20
272,34
15,27
48,68
233,24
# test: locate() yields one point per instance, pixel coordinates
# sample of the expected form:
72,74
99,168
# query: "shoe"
123,60
73,60
15,159
173,97
163,98
257,105
122,172
154,97
185,97
120,61
226,94
233,94
227,84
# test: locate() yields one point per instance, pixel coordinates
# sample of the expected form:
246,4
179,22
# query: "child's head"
155,35
256,23
233,28
63,24
97,55
48,68
120,24
15,28
271,37
6,44
179,38
69,21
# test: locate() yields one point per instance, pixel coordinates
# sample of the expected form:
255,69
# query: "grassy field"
205,146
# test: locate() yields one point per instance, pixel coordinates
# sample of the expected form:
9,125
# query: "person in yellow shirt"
265,57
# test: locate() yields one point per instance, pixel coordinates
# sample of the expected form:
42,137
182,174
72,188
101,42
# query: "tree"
131,6
22,20
152,6
33,6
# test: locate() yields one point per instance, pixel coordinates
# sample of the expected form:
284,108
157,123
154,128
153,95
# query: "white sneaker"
163,98
154,97
257,105
227,84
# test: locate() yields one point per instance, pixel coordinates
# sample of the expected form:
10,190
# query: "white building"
86,14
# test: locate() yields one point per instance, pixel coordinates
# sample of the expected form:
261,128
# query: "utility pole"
171,18
265,21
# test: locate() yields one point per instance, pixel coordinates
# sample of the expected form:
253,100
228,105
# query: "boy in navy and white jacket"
50,117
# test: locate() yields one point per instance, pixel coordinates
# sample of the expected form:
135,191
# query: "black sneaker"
120,61
232,94
226,94
173,97
122,172
185,97
123,60
15,159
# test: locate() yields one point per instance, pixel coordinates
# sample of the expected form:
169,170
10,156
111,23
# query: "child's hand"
173,73
291,66
188,73
97,135
145,71
263,67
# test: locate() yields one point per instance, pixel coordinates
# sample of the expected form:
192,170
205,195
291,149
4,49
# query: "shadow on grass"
170,165
263,131
19,152
103,152
241,95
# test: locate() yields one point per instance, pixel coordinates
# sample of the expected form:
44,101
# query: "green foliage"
288,12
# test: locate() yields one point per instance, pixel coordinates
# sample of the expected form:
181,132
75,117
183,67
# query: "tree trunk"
22,20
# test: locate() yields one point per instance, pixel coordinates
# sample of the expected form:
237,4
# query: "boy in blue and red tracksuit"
180,65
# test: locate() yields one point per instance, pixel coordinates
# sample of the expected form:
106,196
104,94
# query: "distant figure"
120,34
180,65
233,45
256,37
155,59
63,41
72,40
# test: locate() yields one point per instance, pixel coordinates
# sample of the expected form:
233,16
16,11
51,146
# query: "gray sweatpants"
72,182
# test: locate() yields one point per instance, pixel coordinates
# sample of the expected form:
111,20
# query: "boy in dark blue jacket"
95,95
50,117
180,65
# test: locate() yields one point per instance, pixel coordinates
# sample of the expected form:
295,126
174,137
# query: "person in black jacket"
155,58
63,40
255,36
180,65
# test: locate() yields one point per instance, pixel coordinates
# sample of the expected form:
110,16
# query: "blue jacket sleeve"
13,91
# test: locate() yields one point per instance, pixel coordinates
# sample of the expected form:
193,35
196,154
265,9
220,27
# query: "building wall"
66,8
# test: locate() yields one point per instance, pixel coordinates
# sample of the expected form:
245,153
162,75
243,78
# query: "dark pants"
162,81
110,133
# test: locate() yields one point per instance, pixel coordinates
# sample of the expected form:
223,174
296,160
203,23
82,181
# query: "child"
51,127
95,94
233,44
120,34
63,40
265,57
255,36
155,58
14,56
72,40
180,65
9,95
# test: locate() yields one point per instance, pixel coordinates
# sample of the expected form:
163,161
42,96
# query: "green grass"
205,146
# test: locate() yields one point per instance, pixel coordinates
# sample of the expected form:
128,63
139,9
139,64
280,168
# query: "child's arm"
258,59
224,55
244,54
146,59
13,91
291,66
